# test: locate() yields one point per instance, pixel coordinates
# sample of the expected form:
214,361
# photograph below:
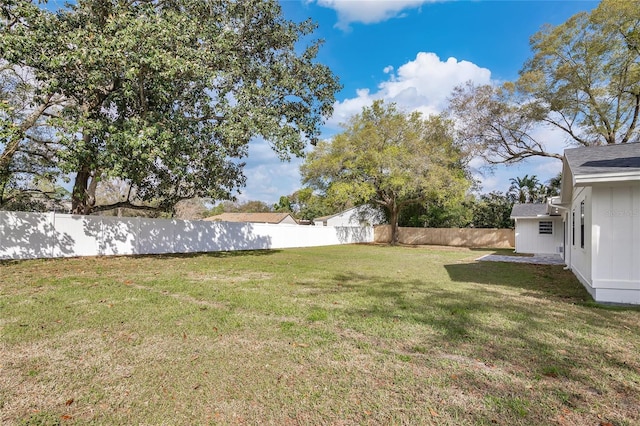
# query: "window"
582,224
573,227
545,227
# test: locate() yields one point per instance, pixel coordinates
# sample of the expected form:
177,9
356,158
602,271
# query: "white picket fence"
50,235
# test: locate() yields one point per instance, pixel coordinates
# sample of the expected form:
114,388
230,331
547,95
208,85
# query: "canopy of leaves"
493,210
305,204
526,189
250,206
583,79
451,213
388,158
167,94
585,74
26,146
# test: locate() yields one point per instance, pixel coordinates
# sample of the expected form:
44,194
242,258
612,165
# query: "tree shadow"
214,254
485,323
31,236
347,234
37,235
541,281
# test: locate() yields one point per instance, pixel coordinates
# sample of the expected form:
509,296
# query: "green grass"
335,335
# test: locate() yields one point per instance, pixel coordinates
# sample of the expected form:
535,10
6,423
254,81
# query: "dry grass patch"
333,335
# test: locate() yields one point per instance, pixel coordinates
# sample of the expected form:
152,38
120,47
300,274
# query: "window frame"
582,224
573,227
545,227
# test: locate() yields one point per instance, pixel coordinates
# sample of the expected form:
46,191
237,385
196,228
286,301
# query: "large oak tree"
167,94
389,158
583,79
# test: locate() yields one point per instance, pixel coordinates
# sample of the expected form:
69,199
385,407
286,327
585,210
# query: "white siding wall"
581,257
529,239
347,218
616,243
36,235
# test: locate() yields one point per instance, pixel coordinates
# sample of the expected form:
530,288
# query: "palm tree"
554,185
525,189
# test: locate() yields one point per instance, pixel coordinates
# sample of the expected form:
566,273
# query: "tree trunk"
5,163
83,198
394,224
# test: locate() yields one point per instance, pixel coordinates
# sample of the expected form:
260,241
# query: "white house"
356,216
600,205
539,229
594,223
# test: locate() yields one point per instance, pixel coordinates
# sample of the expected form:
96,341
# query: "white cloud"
369,11
268,178
342,111
423,84
553,139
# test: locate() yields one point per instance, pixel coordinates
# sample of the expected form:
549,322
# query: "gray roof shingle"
529,210
604,159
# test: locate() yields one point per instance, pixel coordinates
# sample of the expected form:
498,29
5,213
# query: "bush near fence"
457,237
49,235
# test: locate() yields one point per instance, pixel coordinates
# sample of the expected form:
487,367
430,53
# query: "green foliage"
391,159
444,214
34,195
26,147
554,185
283,205
585,74
250,206
307,205
493,211
583,79
529,189
167,95
525,189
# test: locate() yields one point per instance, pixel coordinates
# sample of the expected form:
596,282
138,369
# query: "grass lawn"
358,334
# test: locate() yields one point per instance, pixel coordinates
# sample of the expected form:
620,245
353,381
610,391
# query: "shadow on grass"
210,254
535,280
547,340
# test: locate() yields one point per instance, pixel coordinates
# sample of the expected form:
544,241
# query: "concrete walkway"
539,259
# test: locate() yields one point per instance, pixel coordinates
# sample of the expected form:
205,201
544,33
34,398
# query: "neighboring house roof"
596,164
529,210
252,218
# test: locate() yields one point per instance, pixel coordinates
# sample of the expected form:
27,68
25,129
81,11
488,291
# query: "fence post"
52,237
137,236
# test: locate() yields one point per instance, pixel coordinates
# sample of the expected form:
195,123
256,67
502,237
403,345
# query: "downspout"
563,208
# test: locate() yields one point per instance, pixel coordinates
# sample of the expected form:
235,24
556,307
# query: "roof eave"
532,217
586,179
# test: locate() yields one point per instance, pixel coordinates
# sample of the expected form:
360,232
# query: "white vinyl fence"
48,235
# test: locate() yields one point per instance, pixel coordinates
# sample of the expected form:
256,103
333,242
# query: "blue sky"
413,52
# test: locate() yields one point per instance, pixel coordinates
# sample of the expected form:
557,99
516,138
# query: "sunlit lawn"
335,335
